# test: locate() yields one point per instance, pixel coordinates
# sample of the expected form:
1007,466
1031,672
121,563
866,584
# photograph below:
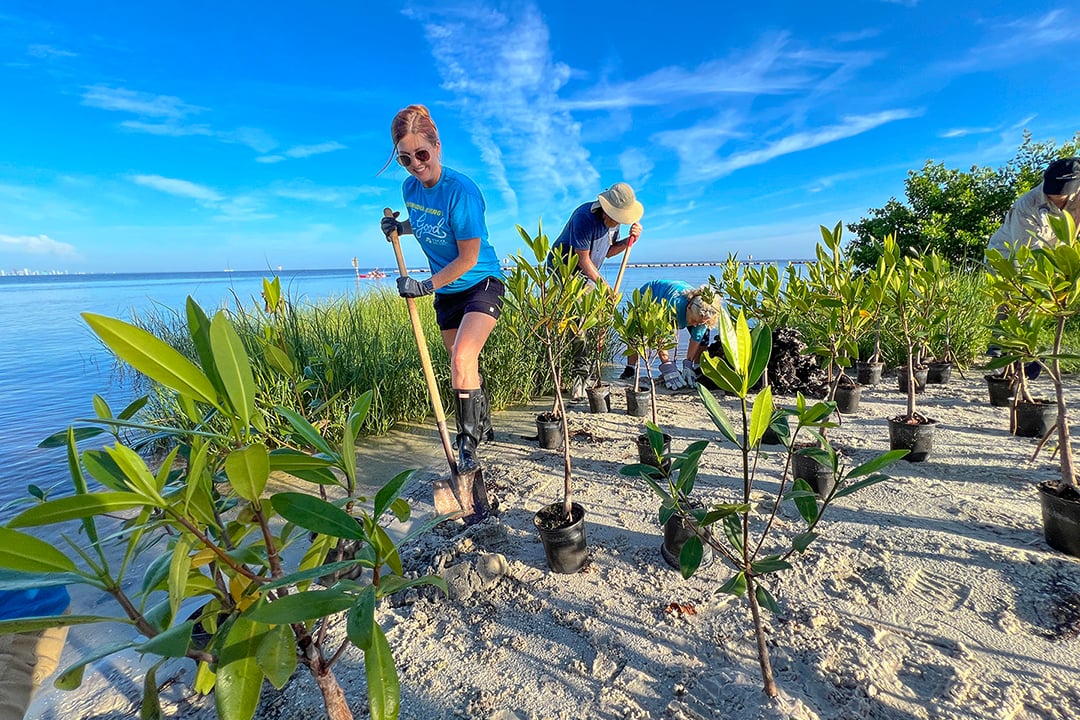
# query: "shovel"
463,495
622,269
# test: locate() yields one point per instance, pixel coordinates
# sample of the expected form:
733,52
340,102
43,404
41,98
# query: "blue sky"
197,136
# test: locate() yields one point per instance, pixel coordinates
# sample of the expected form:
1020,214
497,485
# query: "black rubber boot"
487,432
467,404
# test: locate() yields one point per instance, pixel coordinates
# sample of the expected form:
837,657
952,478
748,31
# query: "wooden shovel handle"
425,356
622,269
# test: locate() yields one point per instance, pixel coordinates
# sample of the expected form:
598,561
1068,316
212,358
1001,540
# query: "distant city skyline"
165,136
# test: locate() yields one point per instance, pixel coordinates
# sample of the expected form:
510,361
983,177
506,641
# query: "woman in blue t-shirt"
446,214
695,309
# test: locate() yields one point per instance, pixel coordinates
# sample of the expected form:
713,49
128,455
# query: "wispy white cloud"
138,103
48,51
497,64
777,65
167,116
37,245
857,35
181,188
697,166
964,132
337,196
636,167
1017,41
302,151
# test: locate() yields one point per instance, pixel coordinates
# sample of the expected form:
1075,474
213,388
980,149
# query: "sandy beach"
932,595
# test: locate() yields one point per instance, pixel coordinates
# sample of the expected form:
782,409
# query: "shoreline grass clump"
318,358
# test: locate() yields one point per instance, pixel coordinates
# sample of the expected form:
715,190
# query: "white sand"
932,595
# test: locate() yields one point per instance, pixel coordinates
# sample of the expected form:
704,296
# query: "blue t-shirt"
672,291
440,216
585,230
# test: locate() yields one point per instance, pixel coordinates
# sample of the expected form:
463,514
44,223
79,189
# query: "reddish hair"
413,120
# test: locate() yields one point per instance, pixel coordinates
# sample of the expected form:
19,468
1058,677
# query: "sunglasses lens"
404,160
422,155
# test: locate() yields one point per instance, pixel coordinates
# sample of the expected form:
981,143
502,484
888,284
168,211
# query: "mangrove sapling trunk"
337,708
1068,470
768,683
560,409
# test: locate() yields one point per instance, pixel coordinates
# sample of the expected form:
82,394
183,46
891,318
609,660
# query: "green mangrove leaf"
401,509
150,707
173,643
387,549
279,360
805,500
736,585
302,576
360,626
248,469
305,430
26,553
302,606
690,556
152,357
60,438
390,584
760,415
81,487
133,407
317,515
13,580
156,573
105,470
72,676
139,477
33,624
770,564
384,691
233,367
766,600
719,417
855,487
239,677
76,507
204,679
872,466
760,354
721,511
276,655
802,541
179,569
733,531
390,492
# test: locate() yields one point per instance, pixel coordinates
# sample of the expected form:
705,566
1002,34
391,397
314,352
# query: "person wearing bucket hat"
696,309
1026,221
592,232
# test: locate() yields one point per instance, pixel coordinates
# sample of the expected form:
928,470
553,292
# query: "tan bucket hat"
620,204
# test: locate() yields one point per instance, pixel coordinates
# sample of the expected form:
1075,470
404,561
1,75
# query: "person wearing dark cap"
1026,223
1058,193
592,232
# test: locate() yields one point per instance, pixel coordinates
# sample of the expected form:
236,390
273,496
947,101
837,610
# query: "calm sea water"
51,364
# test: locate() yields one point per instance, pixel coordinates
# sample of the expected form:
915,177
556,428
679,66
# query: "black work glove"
407,287
391,225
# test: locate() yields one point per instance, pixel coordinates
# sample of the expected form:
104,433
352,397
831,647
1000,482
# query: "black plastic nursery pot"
869,373
599,399
769,437
564,540
549,430
939,373
821,478
920,379
847,399
916,437
645,451
1001,390
1061,517
677,530
637,402
1034,419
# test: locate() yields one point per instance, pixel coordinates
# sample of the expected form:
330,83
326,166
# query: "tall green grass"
342,347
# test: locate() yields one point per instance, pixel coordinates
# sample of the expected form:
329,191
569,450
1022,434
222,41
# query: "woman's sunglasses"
405,159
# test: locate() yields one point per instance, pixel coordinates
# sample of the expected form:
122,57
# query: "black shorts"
485,297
